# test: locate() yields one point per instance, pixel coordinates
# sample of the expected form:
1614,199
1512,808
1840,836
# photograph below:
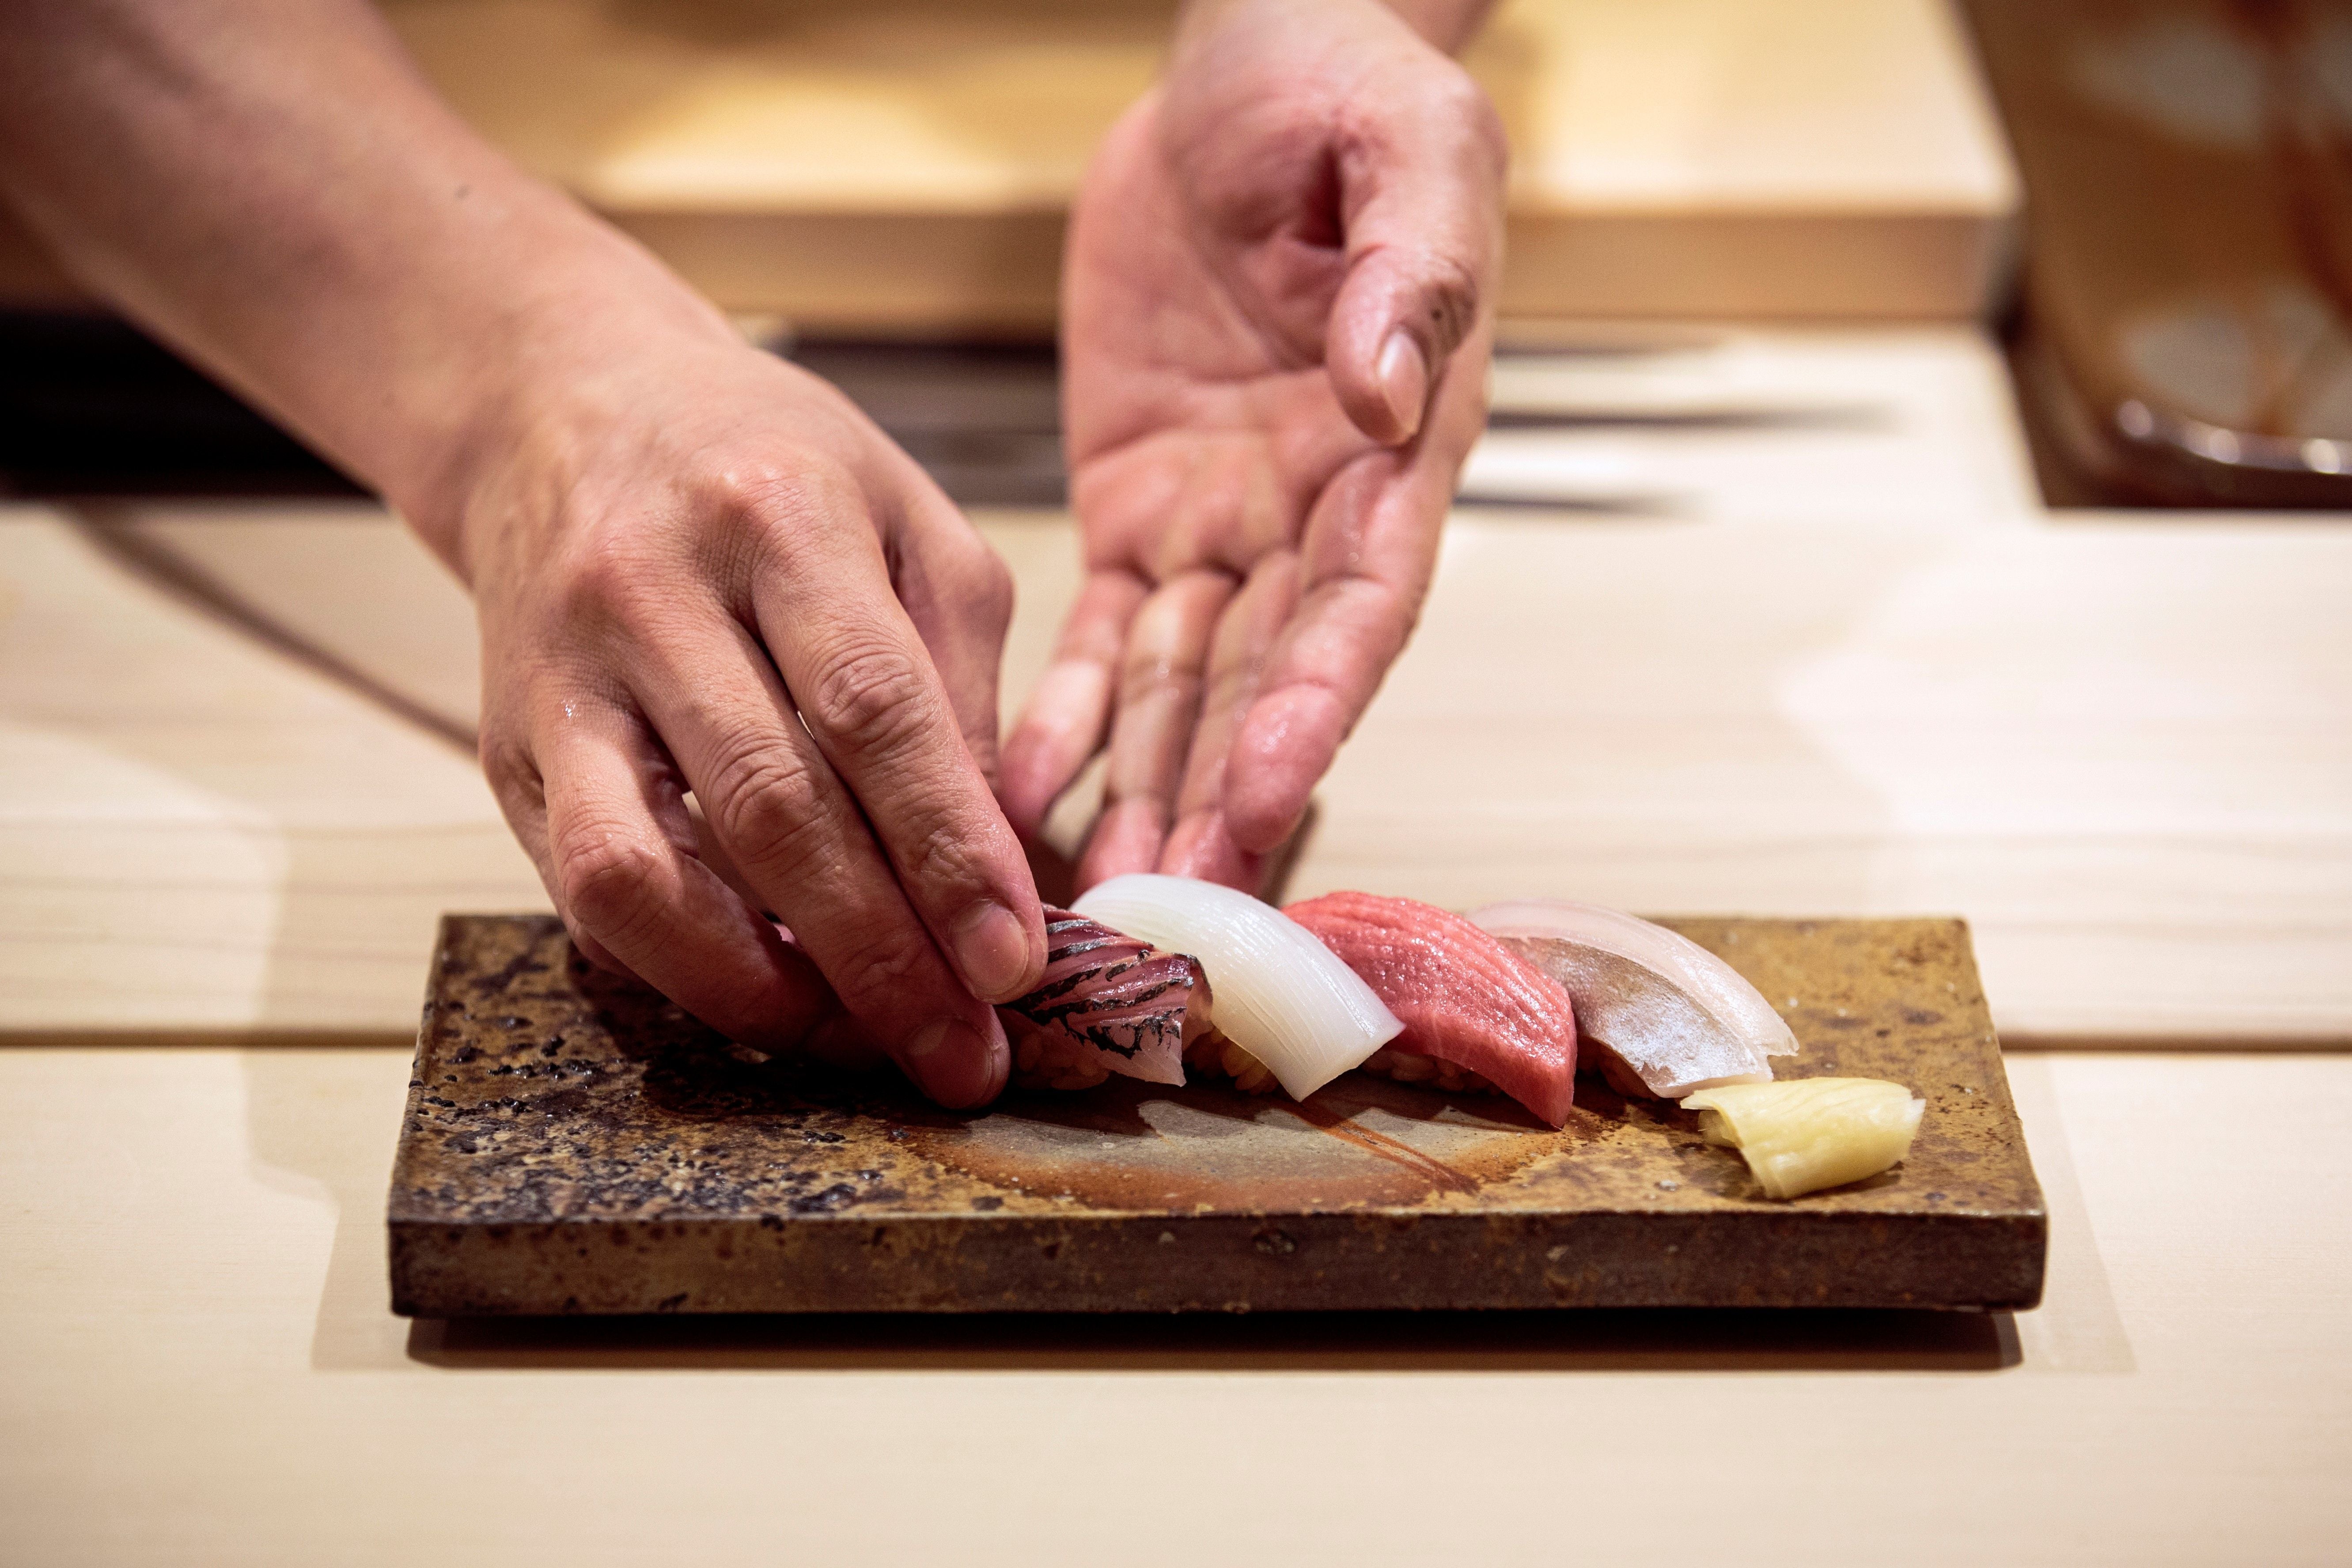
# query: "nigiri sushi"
1468,1002
1659,1015
1108,1003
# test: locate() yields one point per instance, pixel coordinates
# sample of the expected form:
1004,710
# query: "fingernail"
1404,381
954,1063
992,948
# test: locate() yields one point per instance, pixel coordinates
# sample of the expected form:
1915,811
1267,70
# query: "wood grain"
905,166
1786,634
199,1364
203,835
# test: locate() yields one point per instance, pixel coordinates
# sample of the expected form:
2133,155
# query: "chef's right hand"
699,568
696,567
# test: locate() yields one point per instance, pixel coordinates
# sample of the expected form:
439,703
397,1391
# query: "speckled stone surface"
574,1144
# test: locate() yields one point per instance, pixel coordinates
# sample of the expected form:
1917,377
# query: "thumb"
1421,202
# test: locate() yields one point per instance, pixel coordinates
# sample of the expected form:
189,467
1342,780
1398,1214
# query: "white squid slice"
1275,991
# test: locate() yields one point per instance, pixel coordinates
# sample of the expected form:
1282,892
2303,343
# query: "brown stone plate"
575,1144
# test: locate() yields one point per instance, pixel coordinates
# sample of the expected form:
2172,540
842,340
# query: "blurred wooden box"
905,166
907,163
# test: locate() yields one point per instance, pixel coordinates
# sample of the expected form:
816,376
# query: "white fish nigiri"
1660,1014
1276,991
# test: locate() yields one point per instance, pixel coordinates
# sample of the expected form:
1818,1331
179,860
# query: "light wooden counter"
1796,639
198,1368
1823,656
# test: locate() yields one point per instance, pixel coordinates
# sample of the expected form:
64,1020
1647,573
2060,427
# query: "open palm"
1277,319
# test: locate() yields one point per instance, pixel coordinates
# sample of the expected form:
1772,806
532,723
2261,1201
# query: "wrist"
533,381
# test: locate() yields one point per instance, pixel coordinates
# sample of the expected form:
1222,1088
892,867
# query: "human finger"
800,839
516,785
1421,173
599,809
1200,844
867,695
1161,675
1364,568
958,594
1069,715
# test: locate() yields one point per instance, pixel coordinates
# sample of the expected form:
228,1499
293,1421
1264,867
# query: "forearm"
1447,24
267,184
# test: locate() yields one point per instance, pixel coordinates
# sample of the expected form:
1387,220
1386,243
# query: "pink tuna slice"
1128,1006
1463,996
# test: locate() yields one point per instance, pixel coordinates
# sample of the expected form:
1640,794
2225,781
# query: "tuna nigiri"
1469,1005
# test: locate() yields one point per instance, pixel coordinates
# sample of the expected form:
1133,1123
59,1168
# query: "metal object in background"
2186,334
985,420
91,406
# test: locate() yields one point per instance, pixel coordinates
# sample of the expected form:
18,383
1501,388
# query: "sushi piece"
1472,1009
1281,995
1659,1015
1107,1003
1804,1134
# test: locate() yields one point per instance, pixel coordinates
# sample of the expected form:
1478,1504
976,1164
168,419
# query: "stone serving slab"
574,1144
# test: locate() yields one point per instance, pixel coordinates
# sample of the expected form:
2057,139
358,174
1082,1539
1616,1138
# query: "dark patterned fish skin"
1120,1002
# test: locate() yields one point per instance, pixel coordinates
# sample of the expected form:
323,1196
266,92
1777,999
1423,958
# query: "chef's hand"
699,568
1276,321
696,567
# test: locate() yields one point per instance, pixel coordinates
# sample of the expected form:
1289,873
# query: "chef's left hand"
1278,311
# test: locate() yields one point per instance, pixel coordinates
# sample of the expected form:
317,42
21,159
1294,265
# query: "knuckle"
777,497
993,589
613,581
608,878
506,766
763,806
880,970
872,700
939,857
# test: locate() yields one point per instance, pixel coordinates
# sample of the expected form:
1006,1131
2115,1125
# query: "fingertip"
1285,745
1001,954
1126,838
1062,728
1382,379
1024,788
1202,848
1000,1058
786,998
841,1041
597,954
959,1065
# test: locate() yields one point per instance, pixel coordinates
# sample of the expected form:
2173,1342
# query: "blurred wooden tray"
575,1145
